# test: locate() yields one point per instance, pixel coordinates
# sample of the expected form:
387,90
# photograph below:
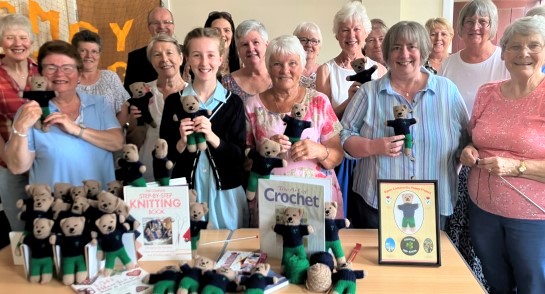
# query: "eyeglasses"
533,48
91,52
372,41
223,13
470,23
65,68
163,22
312,42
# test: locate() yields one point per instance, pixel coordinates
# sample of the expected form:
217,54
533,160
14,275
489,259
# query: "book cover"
279,192
126,282
163,214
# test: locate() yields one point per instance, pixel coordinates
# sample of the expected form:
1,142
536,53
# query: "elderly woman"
16,68
319,149
480,59
350,26
166,57
436,104
310,36
253,78
83,129
224,23
441,33
506,156
105,83
374,40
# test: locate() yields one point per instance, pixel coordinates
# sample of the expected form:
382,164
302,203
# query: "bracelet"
18,133
81,128
327,154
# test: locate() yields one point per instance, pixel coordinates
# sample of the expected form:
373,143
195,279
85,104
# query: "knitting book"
126,282
244,261
163,214
280,192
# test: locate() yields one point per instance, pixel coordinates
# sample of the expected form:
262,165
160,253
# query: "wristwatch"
82,128
522,167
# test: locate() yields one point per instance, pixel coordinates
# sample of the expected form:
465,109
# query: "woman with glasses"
441,33
224,23
374,40
83,130
310,36
105,83
480,61
507,156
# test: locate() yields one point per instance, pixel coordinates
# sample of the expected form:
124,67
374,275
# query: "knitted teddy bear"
131,170
141,96
115,187
72,244
93,187
362,75
165,280
193,275
190,109
39,205
401,126
258,280
62,191
162,166
264,160
109,238
196,223
295,124
220,280
319,272
332,227
38,92
345,279
41,251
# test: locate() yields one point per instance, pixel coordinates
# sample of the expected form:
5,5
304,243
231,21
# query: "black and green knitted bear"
41,251
191,109
193,275
196,223
131,170
162,166
220,280
264,160
295,124
38,92
332,227
258,280
165,280
362,75
141,96
344,279
401,125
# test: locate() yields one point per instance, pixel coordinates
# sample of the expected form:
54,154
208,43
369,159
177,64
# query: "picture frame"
408,222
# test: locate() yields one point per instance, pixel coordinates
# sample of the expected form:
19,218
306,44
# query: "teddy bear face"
61,190
269,148
358,64
262,268
407,198
43,201
114,187
401,111
130,153
161,148
138,89
80,205
42,228
330,210
107,202
227,272
93,187
78,191
197,210
204,263
38,83
293,216
73,226
106,223
190,104
299,111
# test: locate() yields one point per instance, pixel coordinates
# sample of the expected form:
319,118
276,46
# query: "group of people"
480,107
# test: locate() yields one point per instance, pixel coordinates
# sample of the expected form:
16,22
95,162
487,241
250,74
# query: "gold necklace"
399,89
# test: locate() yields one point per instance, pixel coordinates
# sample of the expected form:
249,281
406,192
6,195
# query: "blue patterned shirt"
439,136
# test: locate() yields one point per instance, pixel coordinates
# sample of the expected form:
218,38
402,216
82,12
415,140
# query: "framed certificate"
409,222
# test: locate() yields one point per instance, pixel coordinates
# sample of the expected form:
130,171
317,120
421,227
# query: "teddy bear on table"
221,280
162,166
295,124
141,96
196,223
191,109
165,280
401,126
345,279
38,92
193,275
259,279
362,75
131,170
332,227
264,160
41,251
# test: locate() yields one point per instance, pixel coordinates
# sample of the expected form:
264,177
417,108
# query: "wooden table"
452,277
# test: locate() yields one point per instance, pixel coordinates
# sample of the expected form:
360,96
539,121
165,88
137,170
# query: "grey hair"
377,23
525,26
538,10
162,38
284,45
354,11
411,32
250,25
16,21
482,8
309,27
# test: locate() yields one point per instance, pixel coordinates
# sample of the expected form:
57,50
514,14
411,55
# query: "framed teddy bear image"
409,222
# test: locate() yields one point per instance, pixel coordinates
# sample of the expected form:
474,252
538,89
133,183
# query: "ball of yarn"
318,278
322,257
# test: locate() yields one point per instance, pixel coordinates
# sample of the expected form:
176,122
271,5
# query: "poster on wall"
409,222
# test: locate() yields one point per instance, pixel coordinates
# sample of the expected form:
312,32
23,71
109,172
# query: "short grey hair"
18,21
538,10
526,26
308,27
481,8
354,11
250,25
162,38
285,45
411,32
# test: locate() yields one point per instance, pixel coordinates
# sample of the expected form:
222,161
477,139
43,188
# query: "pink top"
513,129
262,123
